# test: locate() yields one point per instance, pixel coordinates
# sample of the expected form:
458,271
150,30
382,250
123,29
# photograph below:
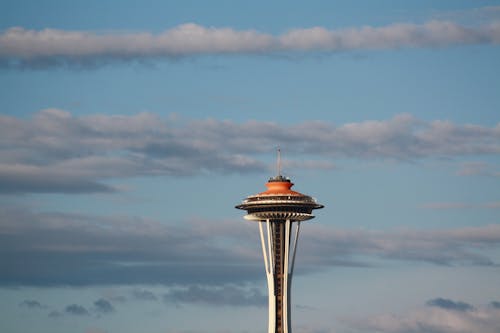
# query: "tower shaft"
277,210
279,258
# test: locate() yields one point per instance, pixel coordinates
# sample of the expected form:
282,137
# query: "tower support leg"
266,242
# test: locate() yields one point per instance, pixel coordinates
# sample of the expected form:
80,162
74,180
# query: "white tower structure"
277,210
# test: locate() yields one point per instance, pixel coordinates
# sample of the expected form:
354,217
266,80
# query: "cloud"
460,246
144,295
54,151
24,48
228,295
54,249
435,319
31,304
100,307
55,314
59,249
33,179
449,304
103,306
77,310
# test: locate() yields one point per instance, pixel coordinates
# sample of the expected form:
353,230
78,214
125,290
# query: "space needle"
277,209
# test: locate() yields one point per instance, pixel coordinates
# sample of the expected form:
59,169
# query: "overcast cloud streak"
54,151
20,47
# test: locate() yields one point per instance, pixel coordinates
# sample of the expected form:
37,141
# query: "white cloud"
20,47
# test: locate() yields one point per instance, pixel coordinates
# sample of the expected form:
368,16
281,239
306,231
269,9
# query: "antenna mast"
279,162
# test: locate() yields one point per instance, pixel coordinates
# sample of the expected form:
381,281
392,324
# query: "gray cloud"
77,310
31,304
54,151
103,306
144,295
55,314
441,247
100,307
49,249
434,319
228,295
54,249
23,48
449,304
495,304
43,181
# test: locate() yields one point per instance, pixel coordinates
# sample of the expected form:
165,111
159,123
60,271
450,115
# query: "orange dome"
274,187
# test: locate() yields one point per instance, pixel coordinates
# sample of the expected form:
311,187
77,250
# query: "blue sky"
129,131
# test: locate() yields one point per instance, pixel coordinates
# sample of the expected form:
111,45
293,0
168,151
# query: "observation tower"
276,210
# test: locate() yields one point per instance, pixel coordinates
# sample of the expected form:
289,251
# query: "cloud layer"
54,249
54,151
20,47
460,246
440,316
228,295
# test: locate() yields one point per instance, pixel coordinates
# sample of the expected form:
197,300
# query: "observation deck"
279,203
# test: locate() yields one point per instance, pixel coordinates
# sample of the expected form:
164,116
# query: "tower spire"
278,162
